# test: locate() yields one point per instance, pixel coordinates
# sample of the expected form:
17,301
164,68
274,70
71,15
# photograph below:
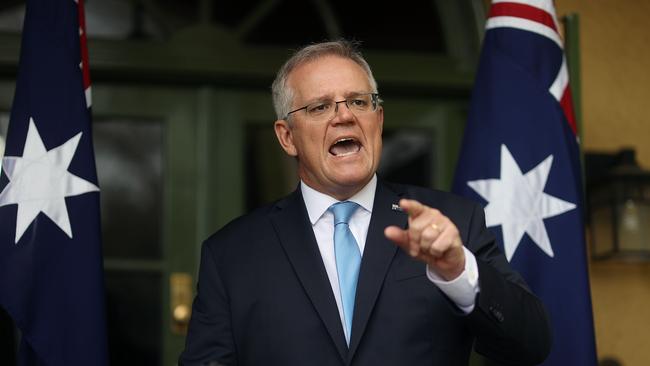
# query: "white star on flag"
518,203
39,181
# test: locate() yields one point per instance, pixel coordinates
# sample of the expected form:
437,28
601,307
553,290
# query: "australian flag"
51,278
520,157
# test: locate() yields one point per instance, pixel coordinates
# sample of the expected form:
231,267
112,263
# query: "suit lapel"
297,238
377,256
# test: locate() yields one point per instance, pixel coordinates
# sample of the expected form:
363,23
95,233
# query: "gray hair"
283,94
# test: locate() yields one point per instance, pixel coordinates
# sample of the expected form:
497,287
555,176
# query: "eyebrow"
328,97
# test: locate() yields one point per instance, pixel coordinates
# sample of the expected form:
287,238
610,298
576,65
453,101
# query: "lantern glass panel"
633,226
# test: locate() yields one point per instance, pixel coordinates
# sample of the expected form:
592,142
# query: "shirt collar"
317,203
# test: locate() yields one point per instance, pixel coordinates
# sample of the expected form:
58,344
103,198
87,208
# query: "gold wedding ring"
435,227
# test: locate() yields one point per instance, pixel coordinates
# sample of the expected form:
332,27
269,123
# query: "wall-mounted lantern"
618,207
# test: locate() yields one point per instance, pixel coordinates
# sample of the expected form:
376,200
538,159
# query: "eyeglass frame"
375,100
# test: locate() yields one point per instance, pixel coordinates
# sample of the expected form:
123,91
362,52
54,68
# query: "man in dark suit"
318,278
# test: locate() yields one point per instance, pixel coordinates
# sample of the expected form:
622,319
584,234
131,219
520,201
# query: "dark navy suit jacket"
264,297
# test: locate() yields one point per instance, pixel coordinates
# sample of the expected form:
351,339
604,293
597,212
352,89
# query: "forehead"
329,76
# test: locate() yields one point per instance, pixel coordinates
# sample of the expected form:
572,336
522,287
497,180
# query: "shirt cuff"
461,290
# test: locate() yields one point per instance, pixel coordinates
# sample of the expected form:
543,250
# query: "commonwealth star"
519,204
39,181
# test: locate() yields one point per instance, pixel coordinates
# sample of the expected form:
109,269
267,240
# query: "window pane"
4,122
133,311
7,333
407,156
129,166
270,173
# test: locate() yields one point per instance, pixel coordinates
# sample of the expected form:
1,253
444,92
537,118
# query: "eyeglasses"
325,110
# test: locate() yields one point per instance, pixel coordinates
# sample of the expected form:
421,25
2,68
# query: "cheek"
313,142
307,140
376,142
311,150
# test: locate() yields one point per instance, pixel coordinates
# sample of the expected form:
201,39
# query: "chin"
354,179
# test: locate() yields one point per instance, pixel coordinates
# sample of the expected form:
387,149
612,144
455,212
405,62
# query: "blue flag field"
51,277
520,158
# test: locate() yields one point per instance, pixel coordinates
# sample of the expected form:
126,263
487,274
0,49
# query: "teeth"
345,146
347,153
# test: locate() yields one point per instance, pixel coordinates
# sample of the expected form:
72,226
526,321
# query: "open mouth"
345,146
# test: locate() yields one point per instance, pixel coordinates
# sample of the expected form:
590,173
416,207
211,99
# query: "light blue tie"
348,259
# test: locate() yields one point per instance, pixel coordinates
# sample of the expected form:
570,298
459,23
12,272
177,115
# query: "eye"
358,103
318,108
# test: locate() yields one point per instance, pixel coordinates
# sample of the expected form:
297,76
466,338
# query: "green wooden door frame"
177,110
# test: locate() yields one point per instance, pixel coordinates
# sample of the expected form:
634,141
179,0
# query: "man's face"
340,156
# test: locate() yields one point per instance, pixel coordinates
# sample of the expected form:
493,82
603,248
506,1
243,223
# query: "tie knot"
343,211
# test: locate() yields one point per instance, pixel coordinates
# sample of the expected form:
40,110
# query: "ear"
285,137
380,119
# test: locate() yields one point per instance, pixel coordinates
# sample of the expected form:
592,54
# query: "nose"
343,114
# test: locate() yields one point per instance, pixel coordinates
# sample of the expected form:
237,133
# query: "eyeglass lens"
358,104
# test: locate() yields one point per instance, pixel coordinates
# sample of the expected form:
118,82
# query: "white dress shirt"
462,290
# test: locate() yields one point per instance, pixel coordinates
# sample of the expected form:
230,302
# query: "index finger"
412,207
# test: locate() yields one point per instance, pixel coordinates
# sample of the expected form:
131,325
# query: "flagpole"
572,49
571,23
